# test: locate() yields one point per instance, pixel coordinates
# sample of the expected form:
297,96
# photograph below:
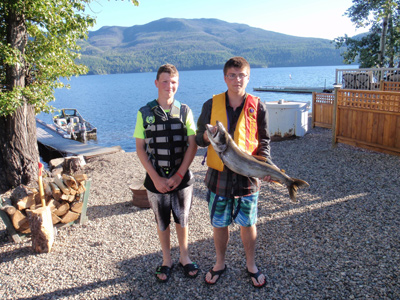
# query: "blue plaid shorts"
241,210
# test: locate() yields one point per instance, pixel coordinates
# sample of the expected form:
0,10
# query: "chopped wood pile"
63,195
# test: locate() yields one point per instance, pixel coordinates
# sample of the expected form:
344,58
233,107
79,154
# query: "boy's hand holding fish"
247,165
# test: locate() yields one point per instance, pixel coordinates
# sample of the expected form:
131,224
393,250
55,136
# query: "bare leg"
182,234
164,237
221,238
249,236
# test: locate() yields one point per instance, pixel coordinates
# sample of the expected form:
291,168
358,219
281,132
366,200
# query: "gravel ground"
341,241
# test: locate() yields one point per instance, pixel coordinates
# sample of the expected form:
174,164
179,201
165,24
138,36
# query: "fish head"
218,136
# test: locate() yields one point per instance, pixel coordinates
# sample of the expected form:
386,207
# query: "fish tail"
294,186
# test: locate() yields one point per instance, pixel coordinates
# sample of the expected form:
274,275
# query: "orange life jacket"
246,132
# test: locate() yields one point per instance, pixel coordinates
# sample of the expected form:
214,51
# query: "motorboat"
70,124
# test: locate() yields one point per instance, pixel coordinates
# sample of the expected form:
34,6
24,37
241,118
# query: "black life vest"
165,135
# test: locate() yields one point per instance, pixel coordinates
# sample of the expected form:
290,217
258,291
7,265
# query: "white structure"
287,118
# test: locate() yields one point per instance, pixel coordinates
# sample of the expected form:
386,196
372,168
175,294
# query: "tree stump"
42,229
73,164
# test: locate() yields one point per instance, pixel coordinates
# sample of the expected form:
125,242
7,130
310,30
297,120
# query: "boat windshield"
70,113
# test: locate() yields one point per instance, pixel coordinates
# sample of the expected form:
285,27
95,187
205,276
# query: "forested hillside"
196,44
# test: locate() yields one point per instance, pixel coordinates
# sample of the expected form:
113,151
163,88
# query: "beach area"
340,241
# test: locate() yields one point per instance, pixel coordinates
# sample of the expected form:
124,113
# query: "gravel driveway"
341,241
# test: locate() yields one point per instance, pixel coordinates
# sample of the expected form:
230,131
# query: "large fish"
247,165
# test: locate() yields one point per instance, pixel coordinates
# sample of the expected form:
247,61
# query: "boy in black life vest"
233,197
166,146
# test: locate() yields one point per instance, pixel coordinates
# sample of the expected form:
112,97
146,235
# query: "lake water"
111,102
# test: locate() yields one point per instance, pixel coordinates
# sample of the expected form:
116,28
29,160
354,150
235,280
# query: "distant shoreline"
220,68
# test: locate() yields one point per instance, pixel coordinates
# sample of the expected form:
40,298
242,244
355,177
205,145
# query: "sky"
304,18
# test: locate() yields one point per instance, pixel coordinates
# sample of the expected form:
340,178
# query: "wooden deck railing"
322,109
369,119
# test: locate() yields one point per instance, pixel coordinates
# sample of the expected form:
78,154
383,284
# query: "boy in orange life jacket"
232,197
166,146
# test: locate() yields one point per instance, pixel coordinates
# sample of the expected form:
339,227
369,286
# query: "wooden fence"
390,86
368,119
322,109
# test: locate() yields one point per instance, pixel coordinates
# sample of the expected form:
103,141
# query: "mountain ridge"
196,44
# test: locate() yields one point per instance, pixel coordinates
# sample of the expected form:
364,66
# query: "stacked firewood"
63,195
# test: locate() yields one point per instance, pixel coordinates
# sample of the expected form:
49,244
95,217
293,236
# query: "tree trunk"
19,154
381,55
391,44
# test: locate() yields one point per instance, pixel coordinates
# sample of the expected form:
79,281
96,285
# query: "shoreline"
339,242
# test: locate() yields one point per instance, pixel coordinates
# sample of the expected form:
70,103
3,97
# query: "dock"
293,89
51,139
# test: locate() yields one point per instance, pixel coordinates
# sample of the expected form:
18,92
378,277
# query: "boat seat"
61,122
74,120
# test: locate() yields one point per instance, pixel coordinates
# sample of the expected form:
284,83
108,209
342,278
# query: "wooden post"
314,97
336,87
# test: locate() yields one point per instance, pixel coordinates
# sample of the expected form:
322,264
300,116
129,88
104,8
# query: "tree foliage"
381,45
38,46
53,29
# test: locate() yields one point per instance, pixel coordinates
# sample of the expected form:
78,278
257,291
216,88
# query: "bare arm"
205,116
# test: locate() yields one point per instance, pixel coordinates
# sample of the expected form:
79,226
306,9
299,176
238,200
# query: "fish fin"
277,182
259,157
300,183
294,186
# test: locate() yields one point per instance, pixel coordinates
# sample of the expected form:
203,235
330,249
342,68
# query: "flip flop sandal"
190,268
215,273
163,270
255,276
